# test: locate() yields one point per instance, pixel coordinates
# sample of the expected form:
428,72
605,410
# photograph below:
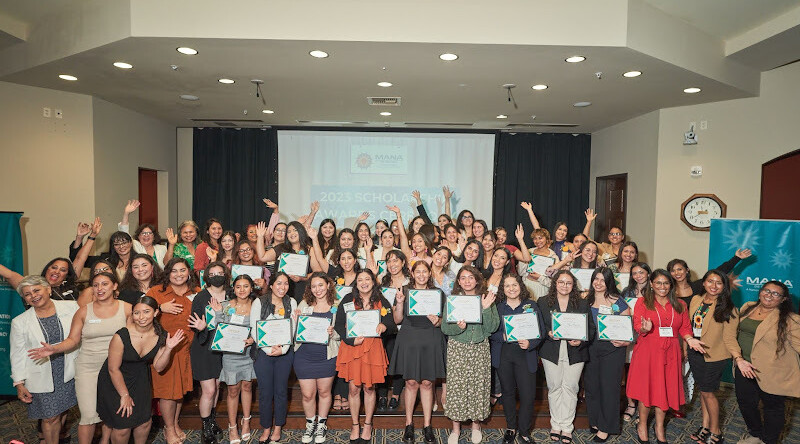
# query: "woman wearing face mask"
418,355
123,384
538,284
315,364
207,365
211,236
468,358
273,364
183,243
143,273
173,382
362,361
92,328
146,239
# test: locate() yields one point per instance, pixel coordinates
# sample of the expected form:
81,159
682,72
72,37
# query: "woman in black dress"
207,365
124,393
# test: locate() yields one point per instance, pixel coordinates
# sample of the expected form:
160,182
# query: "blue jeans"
273,387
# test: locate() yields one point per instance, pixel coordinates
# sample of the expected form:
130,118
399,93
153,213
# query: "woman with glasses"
464,223
146,239
243,254
655,378
767,364
608,251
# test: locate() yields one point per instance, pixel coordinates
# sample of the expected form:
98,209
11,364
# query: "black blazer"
551,347
340,323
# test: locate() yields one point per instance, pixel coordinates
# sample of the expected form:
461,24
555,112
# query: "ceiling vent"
384,101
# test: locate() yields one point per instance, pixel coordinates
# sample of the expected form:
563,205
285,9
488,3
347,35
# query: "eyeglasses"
215,274
615,234
245,250
121,243
146,233
101,270
280,230
770,294
661,284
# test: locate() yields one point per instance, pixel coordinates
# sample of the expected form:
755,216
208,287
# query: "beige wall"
630,147
46,167
185,151
124,141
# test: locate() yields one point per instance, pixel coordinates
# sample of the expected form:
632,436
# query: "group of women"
140,332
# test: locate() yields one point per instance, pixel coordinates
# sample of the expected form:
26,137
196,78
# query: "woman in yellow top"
768,367
714,320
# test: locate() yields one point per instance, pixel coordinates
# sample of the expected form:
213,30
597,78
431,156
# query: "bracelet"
124,395
91,238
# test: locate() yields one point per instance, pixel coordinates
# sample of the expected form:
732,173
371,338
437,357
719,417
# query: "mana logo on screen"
378,159
364,161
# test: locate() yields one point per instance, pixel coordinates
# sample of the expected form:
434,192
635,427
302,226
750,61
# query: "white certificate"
622,280
631,303
570,326
389,293
230,338
584,277
521,326
293,264
211,318
342,291
464,308
424,302
363,323
313,329
273,332
539,264
254,271
614,328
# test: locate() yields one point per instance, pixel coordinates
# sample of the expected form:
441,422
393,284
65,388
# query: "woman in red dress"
654,377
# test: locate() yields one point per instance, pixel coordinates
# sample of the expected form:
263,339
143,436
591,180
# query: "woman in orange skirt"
173,382
362,360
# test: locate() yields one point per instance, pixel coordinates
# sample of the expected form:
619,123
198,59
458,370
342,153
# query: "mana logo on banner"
378,159
755,282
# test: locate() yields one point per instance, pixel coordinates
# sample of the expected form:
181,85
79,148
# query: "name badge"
665,332
350,306
94,321
308,310
605,310
237,319
697,332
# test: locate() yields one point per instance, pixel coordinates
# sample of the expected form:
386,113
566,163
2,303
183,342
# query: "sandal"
232,441
337,403
629,413
701,435
246,436
713,438
345,405
358,431
566,439
368,440
555,437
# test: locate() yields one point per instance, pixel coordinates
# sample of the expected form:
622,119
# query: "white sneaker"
749,439
308,435
452,438
319,434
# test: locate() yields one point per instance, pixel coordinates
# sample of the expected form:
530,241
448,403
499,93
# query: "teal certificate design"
539,264
521,326
464,308
363,323
584,277
342,291
614,328
390,294
211,318
312,329
273,332
293,264
570,326
230,338
381,267
424,302
622,280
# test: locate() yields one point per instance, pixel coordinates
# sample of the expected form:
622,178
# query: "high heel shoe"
369,440
246,436
358,432
233,441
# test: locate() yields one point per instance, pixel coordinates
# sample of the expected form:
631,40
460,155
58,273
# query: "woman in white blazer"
47,385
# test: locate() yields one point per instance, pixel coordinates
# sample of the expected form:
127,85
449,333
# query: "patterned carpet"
14,424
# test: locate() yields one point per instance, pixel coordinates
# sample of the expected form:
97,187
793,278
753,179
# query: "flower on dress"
384,311
281,312
340,281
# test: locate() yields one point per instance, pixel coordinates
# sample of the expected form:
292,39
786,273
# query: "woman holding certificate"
396,277
538,260
472,319
363,316
654,377
514,354
272,327
173,382
419,352
315,351
297,243
606,354
564,351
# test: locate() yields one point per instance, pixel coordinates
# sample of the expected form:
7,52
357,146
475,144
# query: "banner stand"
10,302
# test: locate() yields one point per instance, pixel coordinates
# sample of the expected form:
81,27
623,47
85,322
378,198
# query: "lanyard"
659,315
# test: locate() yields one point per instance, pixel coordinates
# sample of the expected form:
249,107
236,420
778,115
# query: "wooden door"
780,187
148,196
610,204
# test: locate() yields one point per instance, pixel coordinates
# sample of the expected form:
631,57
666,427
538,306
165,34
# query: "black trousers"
602,383
515,378
748,393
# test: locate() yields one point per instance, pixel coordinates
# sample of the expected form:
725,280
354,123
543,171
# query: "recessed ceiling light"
692,90
386,113
123,65
502,116
385,84
226,81
632,74
189,97
448,57
575,59
186,50
318,54
67,77
581,104
539,87
267,111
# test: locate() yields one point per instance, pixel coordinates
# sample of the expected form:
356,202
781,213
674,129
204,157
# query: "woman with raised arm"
124,401
146,239
183,243
607,251
419,249
211,237
92,328
315,364
469,363
297,242
175,380
143,273
686,288
559,243
326,236
362,361
537,283
206,364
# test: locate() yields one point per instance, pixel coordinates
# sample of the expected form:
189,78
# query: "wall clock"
698,210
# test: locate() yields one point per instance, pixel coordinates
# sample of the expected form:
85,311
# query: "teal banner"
776,254
10,302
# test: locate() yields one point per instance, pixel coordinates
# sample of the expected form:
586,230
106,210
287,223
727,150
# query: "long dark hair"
724,309
579,260
191,282
650,294
374,297
574,294
506,267
159,330
326,245
622,247
784,312
417,264
631,288
225,286
70,279
354,252
524,294
337,248
611,285
459,224
253,293
480,282
330,292
130,283
207,237
238,246
112,255
387,277
478,262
